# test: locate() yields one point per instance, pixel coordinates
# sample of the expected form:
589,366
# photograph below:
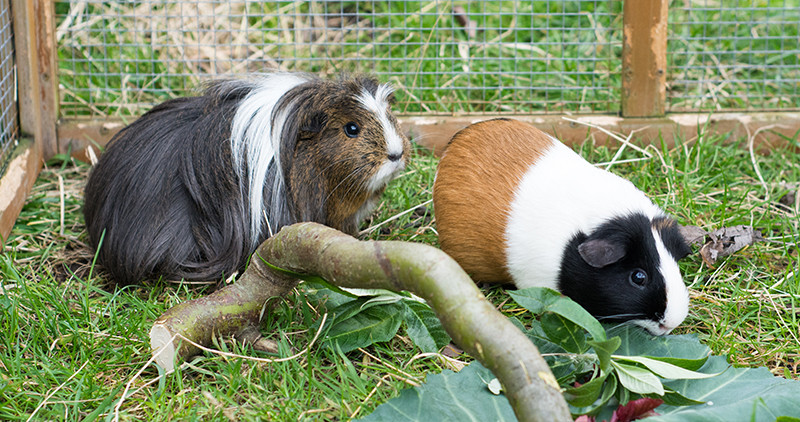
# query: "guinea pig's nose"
395,157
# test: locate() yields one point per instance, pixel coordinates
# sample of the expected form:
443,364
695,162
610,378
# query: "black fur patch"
608,292
672,238
165,193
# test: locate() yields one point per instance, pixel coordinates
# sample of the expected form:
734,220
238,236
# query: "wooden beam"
35,51
435,132
35,57
16,183
644,58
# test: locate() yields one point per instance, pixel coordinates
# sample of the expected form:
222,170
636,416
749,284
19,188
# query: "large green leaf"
737,394
540,300
449,396
423,328
741,394
637,342
369,325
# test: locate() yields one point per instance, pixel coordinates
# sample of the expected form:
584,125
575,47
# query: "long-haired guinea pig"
193,186
514,204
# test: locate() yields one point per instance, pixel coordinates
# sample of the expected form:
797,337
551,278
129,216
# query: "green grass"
70,345
119,59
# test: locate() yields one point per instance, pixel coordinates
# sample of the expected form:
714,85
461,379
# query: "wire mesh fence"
118,58
729,55
445,57
9,123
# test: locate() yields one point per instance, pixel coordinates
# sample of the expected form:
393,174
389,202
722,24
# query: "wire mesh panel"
118,58
9,123
734,55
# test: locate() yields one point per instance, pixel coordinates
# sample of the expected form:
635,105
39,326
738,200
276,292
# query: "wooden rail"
33,23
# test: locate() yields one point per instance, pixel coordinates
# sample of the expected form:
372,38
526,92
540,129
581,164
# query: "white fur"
677,293
255,143
379,105
559,195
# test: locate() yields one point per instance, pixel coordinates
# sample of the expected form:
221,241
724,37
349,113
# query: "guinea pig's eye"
351,129
638,277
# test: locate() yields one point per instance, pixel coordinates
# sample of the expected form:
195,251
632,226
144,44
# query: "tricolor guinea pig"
193,186
515,204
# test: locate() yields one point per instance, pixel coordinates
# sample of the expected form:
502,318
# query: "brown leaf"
451,351
727,241
692,234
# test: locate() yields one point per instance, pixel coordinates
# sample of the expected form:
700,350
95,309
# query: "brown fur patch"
661,224
475,184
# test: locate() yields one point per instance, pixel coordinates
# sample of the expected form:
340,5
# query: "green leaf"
587,393
540,300
370,325
604,349
674,398
449,396
348,310
690,364
637,342
638,380
424,328
608,392
664,369
564,332
735,394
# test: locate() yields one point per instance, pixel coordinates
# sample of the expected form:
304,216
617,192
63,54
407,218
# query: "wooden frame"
35,54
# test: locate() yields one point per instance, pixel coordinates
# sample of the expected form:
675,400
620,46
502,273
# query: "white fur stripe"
379,105
255,143
677,293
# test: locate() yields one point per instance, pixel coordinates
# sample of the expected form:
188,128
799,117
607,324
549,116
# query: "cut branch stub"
472,322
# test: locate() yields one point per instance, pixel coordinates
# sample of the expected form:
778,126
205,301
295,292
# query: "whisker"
617,316
355,172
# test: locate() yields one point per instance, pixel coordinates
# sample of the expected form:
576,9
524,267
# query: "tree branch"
310,248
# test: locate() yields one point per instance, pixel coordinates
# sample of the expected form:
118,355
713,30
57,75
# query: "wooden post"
35,57
644,58
34,42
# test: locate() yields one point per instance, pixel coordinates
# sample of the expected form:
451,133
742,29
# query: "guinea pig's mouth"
387,171
653,327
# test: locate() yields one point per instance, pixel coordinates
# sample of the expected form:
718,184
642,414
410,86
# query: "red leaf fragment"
636,409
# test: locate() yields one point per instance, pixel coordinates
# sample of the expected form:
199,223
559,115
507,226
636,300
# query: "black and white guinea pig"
193,186
515,204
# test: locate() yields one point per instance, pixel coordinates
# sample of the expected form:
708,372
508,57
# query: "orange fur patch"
475,184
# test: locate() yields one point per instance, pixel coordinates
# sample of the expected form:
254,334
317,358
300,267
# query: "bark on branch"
310,248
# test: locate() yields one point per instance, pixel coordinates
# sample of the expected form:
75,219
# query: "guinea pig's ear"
314,122
601,252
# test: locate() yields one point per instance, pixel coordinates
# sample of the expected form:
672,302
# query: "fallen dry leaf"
452,351
722,242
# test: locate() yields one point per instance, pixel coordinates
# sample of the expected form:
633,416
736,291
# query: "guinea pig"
515,204
191,188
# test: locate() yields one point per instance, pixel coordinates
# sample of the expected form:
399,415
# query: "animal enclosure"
92,65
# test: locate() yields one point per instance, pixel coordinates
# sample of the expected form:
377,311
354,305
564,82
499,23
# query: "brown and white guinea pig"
193,186
514,204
